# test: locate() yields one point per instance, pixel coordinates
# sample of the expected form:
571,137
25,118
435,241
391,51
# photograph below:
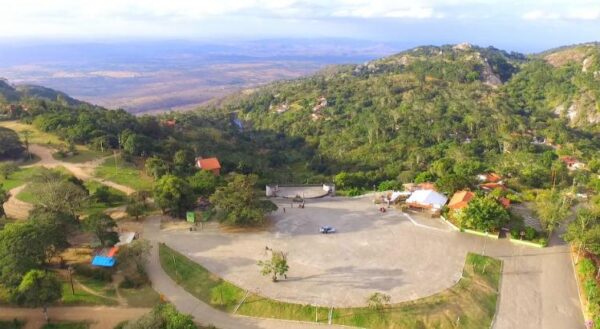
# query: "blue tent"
103,261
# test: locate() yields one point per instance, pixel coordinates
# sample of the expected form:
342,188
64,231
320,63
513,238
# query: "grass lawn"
84,155
82,297
140,297
124,173
67,325
18,178
473,298
117,198
36,136
15,324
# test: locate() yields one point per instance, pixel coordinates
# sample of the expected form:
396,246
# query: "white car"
327,229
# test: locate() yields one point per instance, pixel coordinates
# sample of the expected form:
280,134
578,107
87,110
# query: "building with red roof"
209,164
460,200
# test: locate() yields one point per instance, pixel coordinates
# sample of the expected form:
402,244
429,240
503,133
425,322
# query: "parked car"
327,229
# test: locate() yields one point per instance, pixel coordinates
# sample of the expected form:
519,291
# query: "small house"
490,178
209,164
572,163
460,200
426,199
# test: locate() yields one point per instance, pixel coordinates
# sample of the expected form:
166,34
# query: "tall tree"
103,227
483,213
4,196
204,182
173,195
552,208
58,193
584,231
7,168
38,289
238,202
25,246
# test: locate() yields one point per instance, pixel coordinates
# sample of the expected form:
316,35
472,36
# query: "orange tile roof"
460,199
113,251
426,186
493,177
209,164
491,186
504,202
569,160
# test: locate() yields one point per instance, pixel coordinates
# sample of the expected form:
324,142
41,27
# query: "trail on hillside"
18,209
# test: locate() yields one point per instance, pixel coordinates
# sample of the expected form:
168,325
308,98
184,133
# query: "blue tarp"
103,261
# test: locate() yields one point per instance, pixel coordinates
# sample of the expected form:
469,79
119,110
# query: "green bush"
530,233
354,192
586,268
101,274
591,291
389,185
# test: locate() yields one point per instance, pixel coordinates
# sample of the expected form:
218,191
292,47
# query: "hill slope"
14,94
451,106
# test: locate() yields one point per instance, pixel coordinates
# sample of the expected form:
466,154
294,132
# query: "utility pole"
70,269
116,166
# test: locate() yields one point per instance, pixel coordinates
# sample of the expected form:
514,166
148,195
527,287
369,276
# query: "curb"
450,224
581,303
527,243
487,235
499,295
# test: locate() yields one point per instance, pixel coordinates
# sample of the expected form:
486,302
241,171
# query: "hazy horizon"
523,26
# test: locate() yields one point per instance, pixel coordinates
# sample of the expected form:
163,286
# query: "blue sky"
510,24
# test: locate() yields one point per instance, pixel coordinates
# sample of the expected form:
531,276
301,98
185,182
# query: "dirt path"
101,317
18,209
15,208
92,292
84,171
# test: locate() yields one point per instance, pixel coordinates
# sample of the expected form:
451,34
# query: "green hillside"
22,93
446,110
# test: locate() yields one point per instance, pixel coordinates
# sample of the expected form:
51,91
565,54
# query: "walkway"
83,171
18,209
15,208
203,313
101,317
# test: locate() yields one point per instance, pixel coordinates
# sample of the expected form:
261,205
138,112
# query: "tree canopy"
238,202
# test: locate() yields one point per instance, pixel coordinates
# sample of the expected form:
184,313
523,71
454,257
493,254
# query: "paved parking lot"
404,257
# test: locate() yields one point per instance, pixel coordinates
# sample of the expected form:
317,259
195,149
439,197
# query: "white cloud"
589,14
191,17
539,14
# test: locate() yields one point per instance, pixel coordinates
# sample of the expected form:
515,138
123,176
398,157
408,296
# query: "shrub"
530,233
514,198
586,268
102,194
354,192
101,274
389,185
591,291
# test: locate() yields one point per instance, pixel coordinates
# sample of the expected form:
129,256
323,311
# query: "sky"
525,25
